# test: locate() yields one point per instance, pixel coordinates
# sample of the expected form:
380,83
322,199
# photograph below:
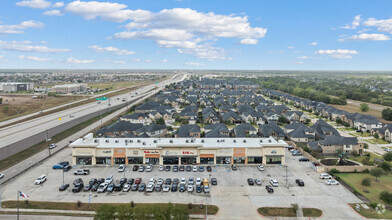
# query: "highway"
15,133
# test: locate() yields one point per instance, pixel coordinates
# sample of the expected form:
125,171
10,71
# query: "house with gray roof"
298,132
153,130
118,129
137,118
323,129
337,144
188,131
216,130
244,130
271,130
230,117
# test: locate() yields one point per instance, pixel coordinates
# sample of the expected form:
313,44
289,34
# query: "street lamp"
47,140
17,111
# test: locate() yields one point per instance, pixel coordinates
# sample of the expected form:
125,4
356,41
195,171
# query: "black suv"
214,181
77,187
251,182
188,168
300,182
269,189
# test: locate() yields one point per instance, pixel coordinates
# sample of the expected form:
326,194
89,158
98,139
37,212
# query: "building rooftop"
90,141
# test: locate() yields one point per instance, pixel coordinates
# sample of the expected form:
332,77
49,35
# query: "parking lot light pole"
47,140
63,176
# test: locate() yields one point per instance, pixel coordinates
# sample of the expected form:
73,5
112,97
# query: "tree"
376,135
376,172
364,107
388,156
386,197
339,121
366,182
387,114
385,166
366,146
160,121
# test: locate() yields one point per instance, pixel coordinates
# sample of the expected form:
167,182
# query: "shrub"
377,172
79,204
388,156
366,182
295,207
366,170
354,153
386,197
337,178
190,205
334,171
373,205
365,161
385,166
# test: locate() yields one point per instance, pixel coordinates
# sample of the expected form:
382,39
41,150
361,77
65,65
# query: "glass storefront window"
135,160
207,160
83,160
188,160
170,160
255,160
223,160
274,160
119,160
239,160
153,161
103,160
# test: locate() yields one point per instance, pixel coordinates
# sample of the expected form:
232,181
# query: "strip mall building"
181,151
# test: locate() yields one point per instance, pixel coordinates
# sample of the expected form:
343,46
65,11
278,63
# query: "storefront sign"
180,152
188,152
83,151
107,151
273,152
151,152
224,152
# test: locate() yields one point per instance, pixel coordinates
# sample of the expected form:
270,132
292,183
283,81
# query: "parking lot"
232,195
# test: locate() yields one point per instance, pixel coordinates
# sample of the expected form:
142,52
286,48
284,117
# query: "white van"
274,182
325,176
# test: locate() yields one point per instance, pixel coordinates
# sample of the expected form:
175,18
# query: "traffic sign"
101,99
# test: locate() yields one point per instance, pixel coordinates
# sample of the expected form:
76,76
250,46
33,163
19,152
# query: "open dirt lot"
235,198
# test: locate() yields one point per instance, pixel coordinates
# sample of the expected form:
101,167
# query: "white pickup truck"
82,172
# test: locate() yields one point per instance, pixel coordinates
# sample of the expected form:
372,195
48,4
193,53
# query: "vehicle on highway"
40,180
161,168
142,187
121,168
166,188
201,168
206,189
149,168
51,146
95,187
303,159
209,169
188,168
214,181
191,181
71,115
260,167
109,179
274,182
60,165
194,168
175,168
325,176
250,182
300,182
258,181
102,188
1,175
167,168
199,189
332,182
67,168
234,167
110,187
182,168
190,188
141,168
269,189
77,187
81,172
135,168
64,187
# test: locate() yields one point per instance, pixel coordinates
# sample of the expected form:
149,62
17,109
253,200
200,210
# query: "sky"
196,34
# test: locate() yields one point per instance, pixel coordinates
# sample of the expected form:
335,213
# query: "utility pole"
63,176
47,140
109,103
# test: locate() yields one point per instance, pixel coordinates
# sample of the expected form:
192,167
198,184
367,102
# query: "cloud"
26,46
34,4
381,25
290,47
19,28
115,61
194,64
33,58
366,37
73,60
58,5
53,13
354,24
136,60
112,50
164,61
249,41
339,53
299,62
304,58
313,43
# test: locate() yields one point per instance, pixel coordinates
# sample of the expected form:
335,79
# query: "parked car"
201,168
141,168
77,188
149,168
209,169
167,168
198,189
205,182
121,168
188,168
95,187
325,176
138,181
142,187
194,168
300,182
117,187
161,168
175,168
87,187
174,187
77,180
269,189
181,188
214,181
152,180
160,181
190,188
297,153
110,187
101,180
176,181
81,172
198,181
60,165
92,181
135,168
258,181
260,167
191,181
158,188
51,146
183,181
182,168
206,189
64,187
109,179
102,188
40,180
1,175
303,159
134,187
250,182
274,182
332,182
67,168
168,181
123,181
126,187
131,181
234,167
166,188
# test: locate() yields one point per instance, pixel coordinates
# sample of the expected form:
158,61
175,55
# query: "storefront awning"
152,155
206,155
